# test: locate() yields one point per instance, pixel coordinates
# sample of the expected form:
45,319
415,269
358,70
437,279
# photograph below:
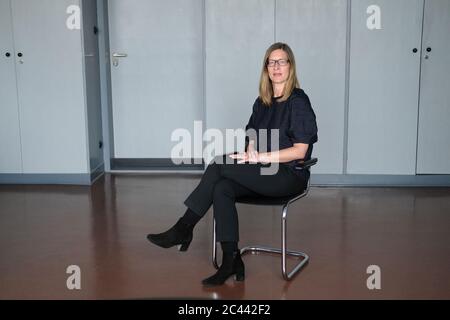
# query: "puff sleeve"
302,123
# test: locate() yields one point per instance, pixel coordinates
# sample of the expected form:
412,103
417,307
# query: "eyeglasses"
281,63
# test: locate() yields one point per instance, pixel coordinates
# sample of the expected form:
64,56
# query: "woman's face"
278,66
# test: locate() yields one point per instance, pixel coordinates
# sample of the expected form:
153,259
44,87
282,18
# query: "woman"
281,105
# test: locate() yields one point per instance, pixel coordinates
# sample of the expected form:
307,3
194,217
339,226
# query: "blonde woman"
282,105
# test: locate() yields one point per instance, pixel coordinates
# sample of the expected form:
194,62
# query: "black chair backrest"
302,164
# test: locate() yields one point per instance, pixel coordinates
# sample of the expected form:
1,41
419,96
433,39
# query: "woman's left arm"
297,151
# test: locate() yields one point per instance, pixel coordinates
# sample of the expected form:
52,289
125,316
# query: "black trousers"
222,183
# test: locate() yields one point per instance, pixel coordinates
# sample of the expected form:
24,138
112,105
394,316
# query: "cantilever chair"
275,201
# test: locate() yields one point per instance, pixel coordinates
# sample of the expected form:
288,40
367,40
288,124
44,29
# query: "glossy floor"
102,229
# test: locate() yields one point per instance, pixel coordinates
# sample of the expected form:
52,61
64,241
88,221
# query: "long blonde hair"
265,84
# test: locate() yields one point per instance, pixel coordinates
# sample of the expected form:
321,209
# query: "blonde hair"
265,84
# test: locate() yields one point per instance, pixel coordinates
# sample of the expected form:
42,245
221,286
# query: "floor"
102,229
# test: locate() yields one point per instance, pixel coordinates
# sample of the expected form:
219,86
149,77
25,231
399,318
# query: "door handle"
119,55
426,55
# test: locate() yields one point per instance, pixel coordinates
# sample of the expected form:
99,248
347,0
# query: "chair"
275,201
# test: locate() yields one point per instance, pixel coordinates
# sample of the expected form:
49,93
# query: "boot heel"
184,246
239,276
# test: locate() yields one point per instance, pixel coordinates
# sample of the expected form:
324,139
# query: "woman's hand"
251,155
297,151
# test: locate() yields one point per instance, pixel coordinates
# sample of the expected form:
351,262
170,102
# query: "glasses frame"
275,62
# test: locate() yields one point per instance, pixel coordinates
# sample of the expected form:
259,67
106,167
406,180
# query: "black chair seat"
267,201
274,201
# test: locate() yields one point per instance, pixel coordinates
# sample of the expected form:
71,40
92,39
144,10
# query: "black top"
294,118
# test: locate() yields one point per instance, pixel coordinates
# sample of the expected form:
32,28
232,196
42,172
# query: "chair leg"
283,251
214,246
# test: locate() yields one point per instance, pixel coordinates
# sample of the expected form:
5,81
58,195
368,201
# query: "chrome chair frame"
303,165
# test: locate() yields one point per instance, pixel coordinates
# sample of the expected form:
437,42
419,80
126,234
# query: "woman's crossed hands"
251,155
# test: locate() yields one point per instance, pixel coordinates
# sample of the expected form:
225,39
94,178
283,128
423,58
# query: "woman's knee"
222,159
218,162
214,164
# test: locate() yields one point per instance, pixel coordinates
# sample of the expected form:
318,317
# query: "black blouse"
294,118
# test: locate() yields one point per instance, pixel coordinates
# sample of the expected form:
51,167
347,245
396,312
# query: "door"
320,68
433,154
233,65
157,73
384,86
10,154
50,87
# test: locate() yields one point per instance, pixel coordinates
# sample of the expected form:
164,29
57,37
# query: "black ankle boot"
179,235
232,264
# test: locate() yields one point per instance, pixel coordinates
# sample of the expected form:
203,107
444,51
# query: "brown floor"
102,229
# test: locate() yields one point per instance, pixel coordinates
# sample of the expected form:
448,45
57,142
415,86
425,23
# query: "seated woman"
281,105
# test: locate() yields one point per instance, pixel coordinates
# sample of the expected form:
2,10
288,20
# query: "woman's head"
278,69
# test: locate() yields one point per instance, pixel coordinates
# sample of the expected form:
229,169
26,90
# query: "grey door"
433,154
316,32
10,154
237,36
157,79
50,86
384,86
